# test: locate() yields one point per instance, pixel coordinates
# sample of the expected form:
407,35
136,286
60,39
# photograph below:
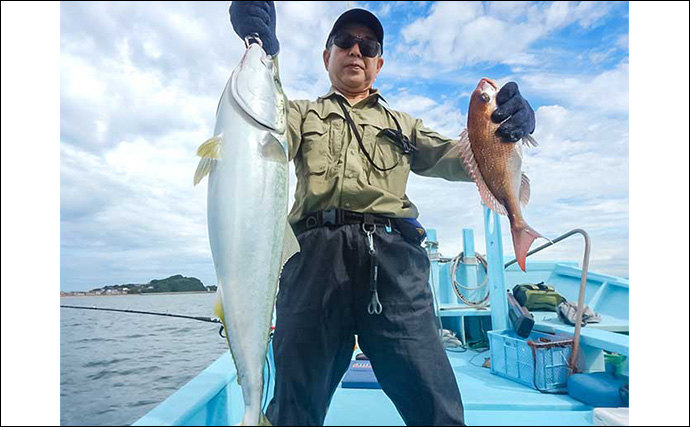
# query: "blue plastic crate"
539,361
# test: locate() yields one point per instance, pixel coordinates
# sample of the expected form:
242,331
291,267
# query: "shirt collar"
373,93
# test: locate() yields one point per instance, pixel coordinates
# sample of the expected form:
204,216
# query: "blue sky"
139,84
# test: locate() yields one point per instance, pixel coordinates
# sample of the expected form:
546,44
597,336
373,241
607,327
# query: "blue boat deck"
213,398
488,400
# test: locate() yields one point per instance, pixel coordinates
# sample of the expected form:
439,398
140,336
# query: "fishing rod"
180,316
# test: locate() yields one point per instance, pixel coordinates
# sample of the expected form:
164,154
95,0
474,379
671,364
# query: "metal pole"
583,283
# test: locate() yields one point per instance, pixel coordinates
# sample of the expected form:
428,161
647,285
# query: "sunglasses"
368,48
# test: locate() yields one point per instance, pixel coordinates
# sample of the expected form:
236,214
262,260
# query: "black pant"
322,303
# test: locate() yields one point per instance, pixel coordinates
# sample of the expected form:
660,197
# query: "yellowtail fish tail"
523,236
263,421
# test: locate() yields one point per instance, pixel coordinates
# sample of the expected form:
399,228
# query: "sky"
140,82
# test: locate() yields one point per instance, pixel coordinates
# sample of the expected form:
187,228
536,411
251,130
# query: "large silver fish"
247,164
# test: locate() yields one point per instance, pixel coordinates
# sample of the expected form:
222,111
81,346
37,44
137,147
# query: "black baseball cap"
358,16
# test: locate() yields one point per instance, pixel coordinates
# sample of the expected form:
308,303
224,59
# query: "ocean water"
115,367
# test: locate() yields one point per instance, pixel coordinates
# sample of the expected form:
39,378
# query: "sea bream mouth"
487,85
488,89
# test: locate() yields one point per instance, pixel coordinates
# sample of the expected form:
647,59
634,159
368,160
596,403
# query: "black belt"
339,217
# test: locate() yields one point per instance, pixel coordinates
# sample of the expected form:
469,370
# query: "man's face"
348,69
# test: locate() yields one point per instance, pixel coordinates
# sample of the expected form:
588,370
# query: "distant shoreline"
142,294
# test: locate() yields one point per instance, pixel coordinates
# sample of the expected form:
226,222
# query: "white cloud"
623,42
590,13
302,29
134,207
606,92
509,10
466,33
384,10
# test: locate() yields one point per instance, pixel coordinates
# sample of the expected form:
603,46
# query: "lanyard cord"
349,120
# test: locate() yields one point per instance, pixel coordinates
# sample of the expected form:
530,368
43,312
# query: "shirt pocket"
315,145
386,154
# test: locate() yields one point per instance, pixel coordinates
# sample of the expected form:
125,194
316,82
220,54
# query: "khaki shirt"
332,172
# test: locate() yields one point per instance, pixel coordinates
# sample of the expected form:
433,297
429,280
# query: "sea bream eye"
486,97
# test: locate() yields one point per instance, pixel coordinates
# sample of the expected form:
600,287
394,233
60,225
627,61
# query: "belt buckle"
330,217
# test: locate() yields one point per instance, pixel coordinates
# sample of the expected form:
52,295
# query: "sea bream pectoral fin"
528,141
473,170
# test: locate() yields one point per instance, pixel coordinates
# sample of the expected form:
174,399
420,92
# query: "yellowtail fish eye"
486,97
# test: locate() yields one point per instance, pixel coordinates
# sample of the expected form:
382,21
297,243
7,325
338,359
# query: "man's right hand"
256,17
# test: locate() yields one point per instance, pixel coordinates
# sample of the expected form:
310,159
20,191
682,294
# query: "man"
361,269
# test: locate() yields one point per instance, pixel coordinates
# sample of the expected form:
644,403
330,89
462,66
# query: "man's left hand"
513,107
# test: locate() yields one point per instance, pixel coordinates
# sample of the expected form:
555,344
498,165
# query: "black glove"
515,108
256,17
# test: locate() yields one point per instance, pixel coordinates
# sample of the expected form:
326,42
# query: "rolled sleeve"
437,155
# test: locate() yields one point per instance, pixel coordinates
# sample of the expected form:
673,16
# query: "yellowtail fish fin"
472,169
219,313
528,141
209,152
524,190
218,306
272,150
523,236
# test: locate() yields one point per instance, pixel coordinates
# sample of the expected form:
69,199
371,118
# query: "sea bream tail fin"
523,236
209,152
473,171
